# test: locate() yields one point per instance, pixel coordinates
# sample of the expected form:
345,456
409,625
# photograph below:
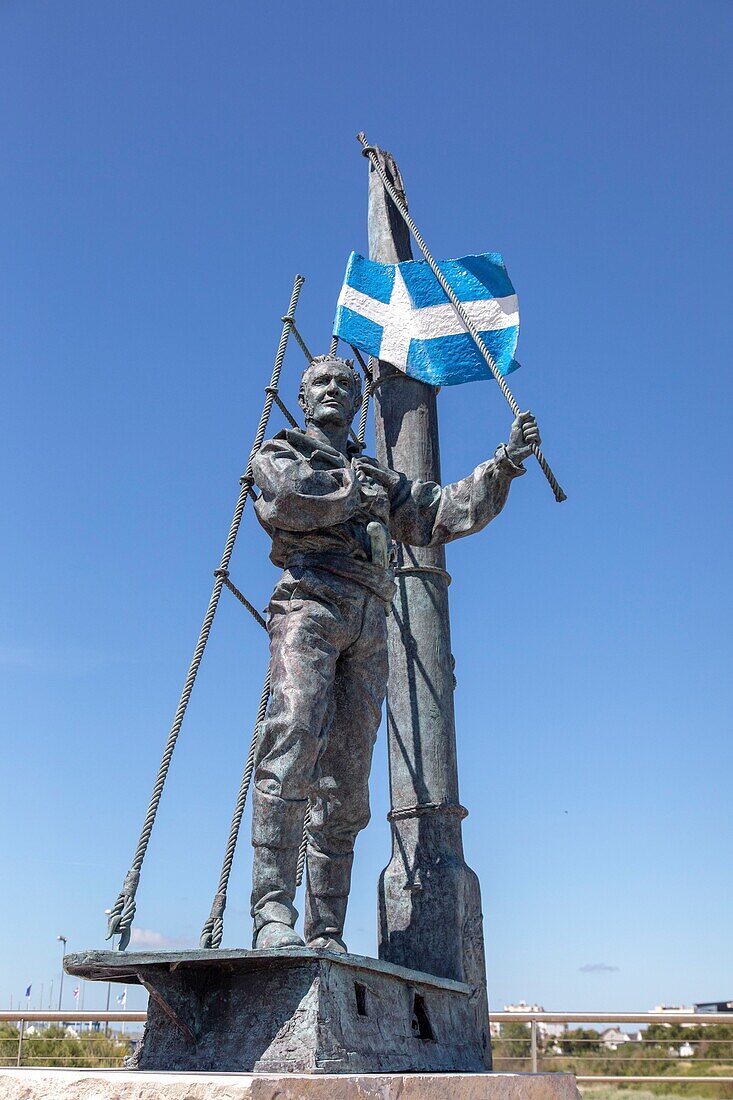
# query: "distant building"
613,1037
684,1010
714,1006
544,1031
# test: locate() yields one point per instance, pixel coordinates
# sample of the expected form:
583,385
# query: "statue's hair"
319,360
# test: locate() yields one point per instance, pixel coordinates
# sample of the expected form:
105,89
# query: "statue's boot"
326,898
275,935
277,829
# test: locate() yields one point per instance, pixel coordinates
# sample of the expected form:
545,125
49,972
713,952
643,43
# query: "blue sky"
167,169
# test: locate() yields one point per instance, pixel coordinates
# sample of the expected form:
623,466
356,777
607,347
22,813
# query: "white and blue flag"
400,313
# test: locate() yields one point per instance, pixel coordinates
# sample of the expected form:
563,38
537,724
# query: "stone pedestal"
94,1084
292,1011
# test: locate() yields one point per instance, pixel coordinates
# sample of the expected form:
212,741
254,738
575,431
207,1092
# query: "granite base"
92,1084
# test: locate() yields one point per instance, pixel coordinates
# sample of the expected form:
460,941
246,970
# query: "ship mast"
429,899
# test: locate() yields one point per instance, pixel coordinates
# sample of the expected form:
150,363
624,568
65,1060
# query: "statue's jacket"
316,508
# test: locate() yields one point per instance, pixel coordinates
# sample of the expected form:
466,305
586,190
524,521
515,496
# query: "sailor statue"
332,513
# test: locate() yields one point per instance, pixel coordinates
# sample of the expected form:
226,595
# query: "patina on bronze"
357,538
332,513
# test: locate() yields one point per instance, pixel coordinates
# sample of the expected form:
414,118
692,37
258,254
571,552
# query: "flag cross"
402,321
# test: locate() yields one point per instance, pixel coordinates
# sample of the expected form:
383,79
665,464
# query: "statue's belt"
375,577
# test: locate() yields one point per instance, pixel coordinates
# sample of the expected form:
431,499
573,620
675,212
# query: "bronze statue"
332,513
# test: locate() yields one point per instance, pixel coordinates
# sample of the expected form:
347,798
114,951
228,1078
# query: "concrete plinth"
294,1011
92,1084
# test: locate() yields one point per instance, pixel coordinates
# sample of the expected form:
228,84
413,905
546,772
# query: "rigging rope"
123,912
370,152
213,928
242,598
368,391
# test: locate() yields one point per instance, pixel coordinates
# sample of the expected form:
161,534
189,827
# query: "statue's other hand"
368,469
523,435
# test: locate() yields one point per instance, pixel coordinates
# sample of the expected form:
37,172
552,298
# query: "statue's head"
330,391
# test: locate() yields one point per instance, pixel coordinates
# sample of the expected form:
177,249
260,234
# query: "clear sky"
167,168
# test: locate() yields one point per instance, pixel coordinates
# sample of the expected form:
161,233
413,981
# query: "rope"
123,912
364,412
368,391
436,571
303,848
283,407
371,152
242,598
213,929
289,320
422,808
368,370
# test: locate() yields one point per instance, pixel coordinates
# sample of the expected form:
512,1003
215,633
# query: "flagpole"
370,152
62,939
429,901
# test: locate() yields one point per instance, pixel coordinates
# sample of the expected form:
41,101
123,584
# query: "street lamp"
63,952
109,987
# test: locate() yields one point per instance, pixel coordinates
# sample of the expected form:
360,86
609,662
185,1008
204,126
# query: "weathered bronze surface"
332,513
293,1011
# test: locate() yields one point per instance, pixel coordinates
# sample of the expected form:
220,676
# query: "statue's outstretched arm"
424,514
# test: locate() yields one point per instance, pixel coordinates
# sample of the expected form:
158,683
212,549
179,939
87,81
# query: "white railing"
544,1048
61,1050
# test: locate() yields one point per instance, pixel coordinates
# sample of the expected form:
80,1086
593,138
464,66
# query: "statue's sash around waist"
377,579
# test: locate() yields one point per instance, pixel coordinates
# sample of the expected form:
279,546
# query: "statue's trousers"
329,674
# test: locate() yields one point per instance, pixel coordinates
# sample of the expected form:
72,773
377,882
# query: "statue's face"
328,395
